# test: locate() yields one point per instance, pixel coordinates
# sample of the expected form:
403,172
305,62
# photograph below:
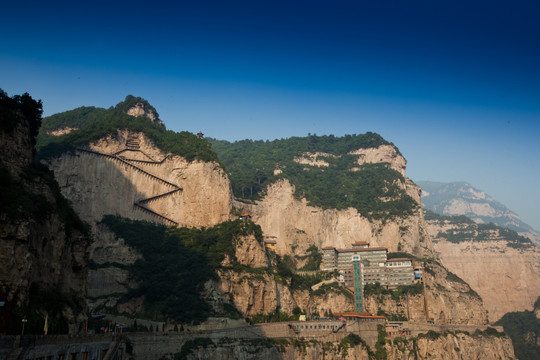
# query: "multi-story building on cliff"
378,268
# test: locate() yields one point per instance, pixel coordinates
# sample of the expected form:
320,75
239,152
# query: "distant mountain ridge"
461,198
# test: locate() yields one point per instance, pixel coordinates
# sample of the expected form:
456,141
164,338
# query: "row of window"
316,327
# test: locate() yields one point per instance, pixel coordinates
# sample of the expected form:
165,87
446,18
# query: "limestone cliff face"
295,224
505,276
251,293
254,292
190,194
251,252
127,175
382,154
507,279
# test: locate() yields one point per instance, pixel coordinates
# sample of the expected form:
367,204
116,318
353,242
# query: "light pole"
24,321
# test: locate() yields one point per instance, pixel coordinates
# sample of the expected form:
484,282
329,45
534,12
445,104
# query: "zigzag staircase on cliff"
139,204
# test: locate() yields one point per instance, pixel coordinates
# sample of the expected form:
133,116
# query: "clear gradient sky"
454,84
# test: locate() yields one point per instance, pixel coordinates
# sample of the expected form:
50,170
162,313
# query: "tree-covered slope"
375,190
461,228
88,124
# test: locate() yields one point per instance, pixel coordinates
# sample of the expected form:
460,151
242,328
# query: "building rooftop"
399,259
363,249
363,315
360,243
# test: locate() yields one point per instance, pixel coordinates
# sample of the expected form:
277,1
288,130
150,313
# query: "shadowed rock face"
36,249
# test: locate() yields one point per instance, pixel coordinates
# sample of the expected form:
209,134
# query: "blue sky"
455,85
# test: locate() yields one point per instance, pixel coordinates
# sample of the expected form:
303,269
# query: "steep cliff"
460,345
297,225
502,267
128,175
451,346
327,191
446,299
44,245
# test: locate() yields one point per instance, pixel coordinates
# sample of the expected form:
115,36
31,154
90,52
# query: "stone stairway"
132,142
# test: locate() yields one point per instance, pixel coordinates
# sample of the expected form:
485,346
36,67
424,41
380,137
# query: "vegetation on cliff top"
373,189
177,262
20,108
467,230
92,124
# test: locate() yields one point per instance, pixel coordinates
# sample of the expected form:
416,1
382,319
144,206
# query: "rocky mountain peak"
137,106
461,198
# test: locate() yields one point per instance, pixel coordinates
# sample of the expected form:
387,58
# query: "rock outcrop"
43,248
382,154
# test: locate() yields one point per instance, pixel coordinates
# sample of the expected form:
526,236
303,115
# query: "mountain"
193,234
498,263
460,198
304,193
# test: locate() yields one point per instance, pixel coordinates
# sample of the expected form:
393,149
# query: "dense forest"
93,123
465,229
375,190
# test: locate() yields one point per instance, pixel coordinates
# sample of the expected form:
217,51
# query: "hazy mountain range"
461,198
